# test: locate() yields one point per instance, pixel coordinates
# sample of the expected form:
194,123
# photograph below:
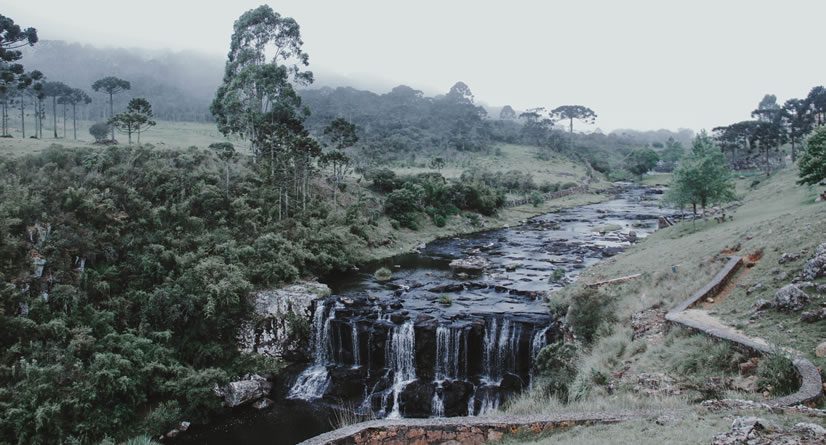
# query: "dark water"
545,253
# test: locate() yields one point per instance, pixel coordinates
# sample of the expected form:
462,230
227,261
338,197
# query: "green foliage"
641,160
536,199
703,177
383,274
99,131
777,374
384,180
556,366
557,275
404,203
589,310
168,263
813,161
445,300
620,175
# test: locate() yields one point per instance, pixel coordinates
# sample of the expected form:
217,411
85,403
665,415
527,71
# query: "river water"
397,349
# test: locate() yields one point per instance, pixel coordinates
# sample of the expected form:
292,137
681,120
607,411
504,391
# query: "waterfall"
490,402
356,349
437,405
451,353
501,348
400,356
313,382
538,341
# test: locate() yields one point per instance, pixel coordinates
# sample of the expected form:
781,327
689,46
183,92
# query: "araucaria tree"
137,118
813,161
702,178
571,112
55,90
111,85
74,98
12,36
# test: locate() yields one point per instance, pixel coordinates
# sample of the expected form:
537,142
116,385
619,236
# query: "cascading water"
313,382
401,357
356,345
451,353
501,347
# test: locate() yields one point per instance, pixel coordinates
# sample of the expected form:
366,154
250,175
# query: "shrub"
99,131
384,180
557,276
383,274
445,300
439,220
536,199
589,310
556,366
777,374
548,187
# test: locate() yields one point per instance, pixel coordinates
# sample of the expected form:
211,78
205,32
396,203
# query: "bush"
383,274
589,310
404,203
557,276
620,175
99,131
439,220
536,199
556,366
777,374
384,180
445,300
548,187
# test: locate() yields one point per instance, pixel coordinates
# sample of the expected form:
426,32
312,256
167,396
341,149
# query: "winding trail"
477,430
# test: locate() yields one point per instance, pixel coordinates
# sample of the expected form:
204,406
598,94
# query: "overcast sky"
638,64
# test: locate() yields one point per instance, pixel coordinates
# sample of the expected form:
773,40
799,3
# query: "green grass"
167,134
557,169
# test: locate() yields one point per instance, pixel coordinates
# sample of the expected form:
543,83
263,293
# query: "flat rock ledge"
478,430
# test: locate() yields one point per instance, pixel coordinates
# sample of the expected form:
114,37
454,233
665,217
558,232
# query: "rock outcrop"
241,392
816,266
275,327
790,298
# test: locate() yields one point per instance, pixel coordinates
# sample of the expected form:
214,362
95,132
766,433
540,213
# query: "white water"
400,355
451,353
356,350
313,382
501,344
437,406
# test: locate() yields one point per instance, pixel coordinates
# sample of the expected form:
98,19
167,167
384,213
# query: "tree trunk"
74,119
64,121
227,181
794,153
54,115
572,135
112,113
22,117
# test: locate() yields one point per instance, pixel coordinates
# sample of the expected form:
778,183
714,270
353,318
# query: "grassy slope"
776,217
173,135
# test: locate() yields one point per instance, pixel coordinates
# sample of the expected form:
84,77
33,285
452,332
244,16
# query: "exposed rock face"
788,258
816,266
649,324
276,309
240,392
790,299
758,431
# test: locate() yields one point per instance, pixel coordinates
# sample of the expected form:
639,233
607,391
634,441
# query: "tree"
437,163
111,85
12,36
99,131
768,109
74,98
641,160
816,101
55,90
137,118
797,120
672,153
703,178
31,85
460,93
341,134
226,152
571,112
813,161
507,113
767,135
252,85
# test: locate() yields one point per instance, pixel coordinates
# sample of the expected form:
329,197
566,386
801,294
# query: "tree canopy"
702,178
813,160
13,36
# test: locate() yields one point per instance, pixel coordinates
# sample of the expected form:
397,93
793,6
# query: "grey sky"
638,64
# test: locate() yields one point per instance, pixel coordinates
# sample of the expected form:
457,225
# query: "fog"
638,64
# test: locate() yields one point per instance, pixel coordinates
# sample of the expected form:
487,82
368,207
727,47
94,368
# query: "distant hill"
180,85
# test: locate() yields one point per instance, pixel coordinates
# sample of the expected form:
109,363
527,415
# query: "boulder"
272,334
416,399
632,237
813,316
810,431
761,305
470,264
262,403
788,258
820,350
240,392
816,266
790,299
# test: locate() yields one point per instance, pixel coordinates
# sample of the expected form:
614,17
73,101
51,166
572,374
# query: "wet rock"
445,288
456,395
262,403
243,391
790,299
511,382
416,398
611,251
816,266
632,236
471,264
346,382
